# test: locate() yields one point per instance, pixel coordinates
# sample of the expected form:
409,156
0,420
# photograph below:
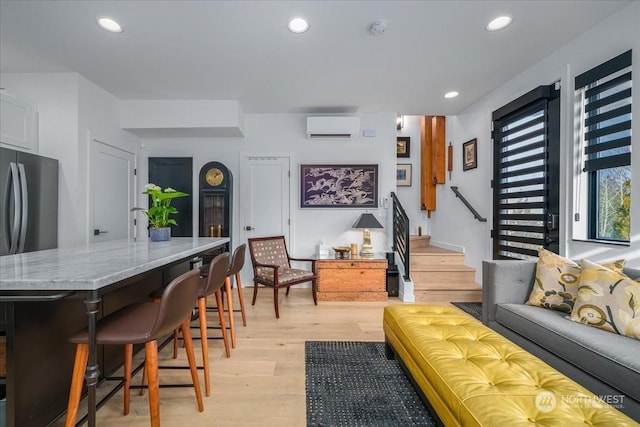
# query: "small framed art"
403,175
470,155
403,146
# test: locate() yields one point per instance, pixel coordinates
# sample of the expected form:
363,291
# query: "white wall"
99,119
71,110
410,196
55,97
452,222
286,133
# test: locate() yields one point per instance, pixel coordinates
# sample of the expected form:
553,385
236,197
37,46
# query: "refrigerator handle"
25,207
13,229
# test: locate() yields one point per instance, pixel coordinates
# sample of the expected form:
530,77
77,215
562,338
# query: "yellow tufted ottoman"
472,376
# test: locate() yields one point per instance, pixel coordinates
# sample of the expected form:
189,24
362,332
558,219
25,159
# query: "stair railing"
475,213
401,233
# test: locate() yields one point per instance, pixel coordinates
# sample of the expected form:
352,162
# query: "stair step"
441,286
432,296
443,275
434,258
416,242
444,267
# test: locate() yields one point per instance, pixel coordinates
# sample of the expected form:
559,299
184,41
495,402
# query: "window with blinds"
603,106
525,205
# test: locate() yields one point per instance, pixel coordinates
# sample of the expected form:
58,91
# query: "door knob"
97,232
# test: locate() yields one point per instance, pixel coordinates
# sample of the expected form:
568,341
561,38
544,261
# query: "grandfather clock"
216,188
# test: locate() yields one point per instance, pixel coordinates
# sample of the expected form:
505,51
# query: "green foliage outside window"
614,199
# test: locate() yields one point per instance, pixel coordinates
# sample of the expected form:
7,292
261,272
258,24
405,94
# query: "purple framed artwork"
338,186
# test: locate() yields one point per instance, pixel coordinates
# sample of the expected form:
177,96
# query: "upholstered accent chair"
272,268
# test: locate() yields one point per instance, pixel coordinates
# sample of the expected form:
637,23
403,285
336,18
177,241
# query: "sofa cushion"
612,358
556,281
607,300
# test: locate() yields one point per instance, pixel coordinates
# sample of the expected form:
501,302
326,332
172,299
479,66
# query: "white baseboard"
448,246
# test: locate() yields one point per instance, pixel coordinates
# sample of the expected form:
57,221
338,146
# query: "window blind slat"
607,162
609,145
607,130
523,160
611,66
603,117
610,84
618,96
529,147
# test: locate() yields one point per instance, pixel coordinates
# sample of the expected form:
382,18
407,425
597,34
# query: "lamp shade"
367,220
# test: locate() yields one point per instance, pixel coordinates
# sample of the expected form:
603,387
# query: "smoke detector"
378,27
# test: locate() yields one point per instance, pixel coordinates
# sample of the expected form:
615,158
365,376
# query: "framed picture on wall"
403,146
470,155
403,175
338,186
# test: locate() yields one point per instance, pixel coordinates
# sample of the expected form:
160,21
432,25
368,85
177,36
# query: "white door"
265,207
112,192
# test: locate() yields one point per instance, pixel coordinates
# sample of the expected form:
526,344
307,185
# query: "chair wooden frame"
275,283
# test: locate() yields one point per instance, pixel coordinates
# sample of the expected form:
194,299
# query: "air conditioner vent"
333,127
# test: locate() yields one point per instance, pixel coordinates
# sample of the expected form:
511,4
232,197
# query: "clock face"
214,177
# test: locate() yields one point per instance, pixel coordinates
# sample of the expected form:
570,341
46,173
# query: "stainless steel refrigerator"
28,202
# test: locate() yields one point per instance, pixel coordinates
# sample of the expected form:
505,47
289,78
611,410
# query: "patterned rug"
472,308
353,384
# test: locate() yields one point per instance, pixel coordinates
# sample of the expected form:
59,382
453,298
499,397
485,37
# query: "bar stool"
237,262
204,273
142,323
212,285
235,266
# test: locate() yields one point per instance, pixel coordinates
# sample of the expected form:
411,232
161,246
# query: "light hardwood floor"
263,382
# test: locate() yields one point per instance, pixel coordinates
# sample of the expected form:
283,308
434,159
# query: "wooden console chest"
352,279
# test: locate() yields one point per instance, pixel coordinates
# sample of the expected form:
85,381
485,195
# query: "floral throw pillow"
557,279
556,282
608,300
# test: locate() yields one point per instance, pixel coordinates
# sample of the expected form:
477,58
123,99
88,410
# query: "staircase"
439,275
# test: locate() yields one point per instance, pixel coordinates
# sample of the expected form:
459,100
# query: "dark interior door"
177,173
526,181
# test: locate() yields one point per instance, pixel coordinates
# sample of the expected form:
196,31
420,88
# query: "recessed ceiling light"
451,94
298,25
499,23
109,25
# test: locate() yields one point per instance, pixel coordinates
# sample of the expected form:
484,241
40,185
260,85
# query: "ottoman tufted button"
587,422
531,420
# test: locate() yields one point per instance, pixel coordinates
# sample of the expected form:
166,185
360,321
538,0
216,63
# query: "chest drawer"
353,264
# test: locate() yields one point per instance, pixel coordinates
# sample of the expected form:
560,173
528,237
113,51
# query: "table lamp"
365,222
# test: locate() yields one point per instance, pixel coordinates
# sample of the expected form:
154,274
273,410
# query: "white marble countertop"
95,265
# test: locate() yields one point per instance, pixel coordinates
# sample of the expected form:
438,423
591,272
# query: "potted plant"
159,211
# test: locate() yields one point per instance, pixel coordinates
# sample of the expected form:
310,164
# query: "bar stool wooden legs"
236,264
138,324
212,285
232,325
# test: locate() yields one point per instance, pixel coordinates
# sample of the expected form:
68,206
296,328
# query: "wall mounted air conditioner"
333,127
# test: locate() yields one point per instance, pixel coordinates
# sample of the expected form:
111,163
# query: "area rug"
353,384
472,308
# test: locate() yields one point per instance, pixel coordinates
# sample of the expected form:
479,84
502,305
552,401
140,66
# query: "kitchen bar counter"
94,266
47,295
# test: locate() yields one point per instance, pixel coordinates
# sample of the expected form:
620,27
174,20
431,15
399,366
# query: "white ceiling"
242,50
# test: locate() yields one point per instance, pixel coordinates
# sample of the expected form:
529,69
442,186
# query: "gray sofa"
606,363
